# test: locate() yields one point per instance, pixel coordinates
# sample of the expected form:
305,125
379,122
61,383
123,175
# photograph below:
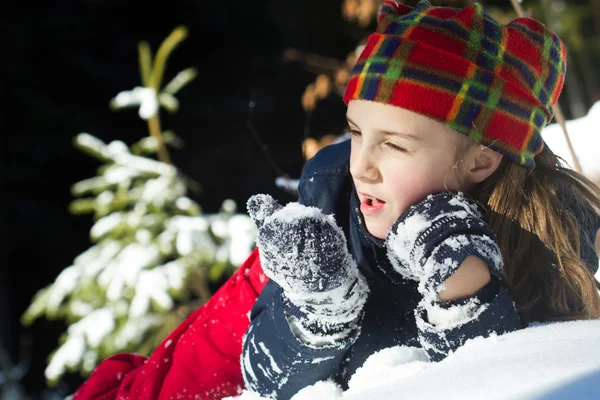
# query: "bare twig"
313,61
560,117
518,8
258,140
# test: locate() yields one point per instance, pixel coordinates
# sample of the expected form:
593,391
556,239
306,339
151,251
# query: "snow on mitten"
433,237
305,252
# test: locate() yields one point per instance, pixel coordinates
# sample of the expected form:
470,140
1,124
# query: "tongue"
375,202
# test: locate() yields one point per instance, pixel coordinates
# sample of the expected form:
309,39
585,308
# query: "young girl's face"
398,157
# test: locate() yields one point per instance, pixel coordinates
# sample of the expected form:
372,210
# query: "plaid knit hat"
494,83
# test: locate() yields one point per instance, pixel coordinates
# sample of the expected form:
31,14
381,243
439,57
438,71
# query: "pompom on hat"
494,83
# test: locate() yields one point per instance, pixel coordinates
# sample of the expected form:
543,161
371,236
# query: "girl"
443,219
384,248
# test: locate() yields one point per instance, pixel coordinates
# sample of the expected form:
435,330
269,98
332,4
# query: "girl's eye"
354,132
395,147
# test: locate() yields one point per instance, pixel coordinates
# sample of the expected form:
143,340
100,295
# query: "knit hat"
494,83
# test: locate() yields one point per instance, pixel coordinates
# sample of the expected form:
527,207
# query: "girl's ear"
484,163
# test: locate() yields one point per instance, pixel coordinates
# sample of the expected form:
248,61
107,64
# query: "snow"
184,203
145,97
116,174
448,318
106,224
584,138
89,331
92,143
125,267
242,236
134,330
65,283
553,360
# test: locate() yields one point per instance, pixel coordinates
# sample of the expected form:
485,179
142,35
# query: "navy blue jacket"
276,363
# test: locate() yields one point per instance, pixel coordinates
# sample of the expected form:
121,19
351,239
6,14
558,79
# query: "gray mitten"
305,252
432,238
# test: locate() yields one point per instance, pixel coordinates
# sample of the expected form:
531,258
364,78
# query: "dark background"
63,61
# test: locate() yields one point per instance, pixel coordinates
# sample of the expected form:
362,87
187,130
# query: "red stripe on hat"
422,99
520,47
350,89
465,17
507,129
425,55
438,40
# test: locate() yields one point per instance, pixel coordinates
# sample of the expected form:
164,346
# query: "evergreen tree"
154,252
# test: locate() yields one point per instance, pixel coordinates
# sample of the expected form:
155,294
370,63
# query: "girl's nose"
363,166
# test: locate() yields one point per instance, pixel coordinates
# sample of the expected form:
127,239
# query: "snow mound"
584,138
387,366
545,361
519,365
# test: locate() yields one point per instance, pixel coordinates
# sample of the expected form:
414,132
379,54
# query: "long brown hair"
533,213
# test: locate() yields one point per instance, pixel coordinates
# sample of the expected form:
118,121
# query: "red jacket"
198,360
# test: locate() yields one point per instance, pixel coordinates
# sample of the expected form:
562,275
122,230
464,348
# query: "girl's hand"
301,249
432,239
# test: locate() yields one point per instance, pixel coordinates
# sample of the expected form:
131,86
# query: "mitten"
305,252
431,240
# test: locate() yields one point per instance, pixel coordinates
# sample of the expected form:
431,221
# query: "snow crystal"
229,206
90,360
117,174
65,283
144,236
95,326
151,285
106,224
135,329
68,355
402,243
246,395
125,268
117,147
93,143
181,223
266,351
219,227
184,203
323,390
156,191
80,308
145,97
175,273
295,211
144,164
105,198
388,365
456,315
188,241
242,233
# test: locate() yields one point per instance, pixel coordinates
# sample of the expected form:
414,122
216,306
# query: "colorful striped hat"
494,83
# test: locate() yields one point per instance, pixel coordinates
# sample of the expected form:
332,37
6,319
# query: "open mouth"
370,205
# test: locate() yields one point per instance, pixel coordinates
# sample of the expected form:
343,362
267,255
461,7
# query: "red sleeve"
198,360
